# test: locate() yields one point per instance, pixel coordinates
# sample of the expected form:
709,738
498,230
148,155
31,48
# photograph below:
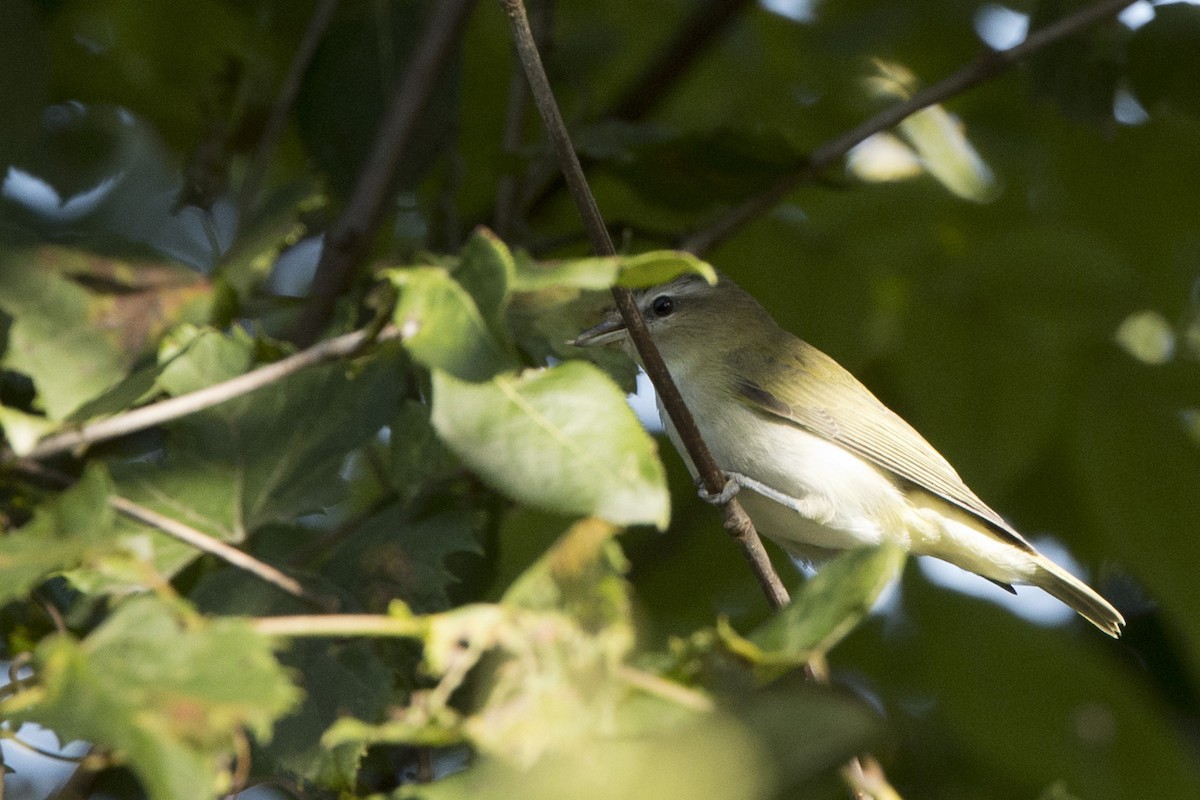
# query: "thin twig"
182,533
347,242
337,625
736,520
984,68
166,410
318,23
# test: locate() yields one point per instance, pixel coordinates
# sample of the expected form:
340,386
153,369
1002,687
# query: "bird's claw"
731,488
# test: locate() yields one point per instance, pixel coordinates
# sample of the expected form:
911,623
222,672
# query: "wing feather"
833,404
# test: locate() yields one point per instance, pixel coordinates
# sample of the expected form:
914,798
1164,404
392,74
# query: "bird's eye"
663,306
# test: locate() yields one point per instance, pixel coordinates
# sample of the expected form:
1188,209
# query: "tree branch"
183,533
318,24
736,520
166,410
984,68
348,241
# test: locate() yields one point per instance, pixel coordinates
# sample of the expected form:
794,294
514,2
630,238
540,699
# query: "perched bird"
821,464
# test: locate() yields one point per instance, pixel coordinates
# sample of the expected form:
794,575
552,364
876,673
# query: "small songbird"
821,464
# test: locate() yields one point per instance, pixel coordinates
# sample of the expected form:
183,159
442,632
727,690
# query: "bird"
819,463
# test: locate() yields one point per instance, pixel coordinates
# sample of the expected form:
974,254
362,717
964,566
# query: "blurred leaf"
706,758
602,272
939,140
821,613
662,266
205,357
155,686
562,439
1163,65
53,339
64,532
442,326
166,67
486,269
827,607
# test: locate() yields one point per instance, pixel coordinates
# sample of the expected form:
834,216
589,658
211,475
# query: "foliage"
458,585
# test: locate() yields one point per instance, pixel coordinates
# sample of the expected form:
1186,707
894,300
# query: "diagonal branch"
154,414
183,533
984,68
349,240
736,520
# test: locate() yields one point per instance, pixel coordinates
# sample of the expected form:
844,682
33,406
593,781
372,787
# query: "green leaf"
662,266
562,439
939,140
205,357
442,327
269,456
1163,66
53,338
602,272
64,532
821,613
828,606
486,269
167,692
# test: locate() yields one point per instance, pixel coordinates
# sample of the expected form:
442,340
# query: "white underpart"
816,498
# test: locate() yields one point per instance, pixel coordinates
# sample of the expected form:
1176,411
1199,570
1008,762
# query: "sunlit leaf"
443,328
562,439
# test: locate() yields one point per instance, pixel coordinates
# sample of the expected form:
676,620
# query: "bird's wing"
832,404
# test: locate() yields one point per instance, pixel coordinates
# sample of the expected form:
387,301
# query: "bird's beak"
611,329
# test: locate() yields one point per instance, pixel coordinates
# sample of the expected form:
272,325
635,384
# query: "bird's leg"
736,481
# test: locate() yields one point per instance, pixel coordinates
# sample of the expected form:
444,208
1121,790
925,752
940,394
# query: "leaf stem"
987,66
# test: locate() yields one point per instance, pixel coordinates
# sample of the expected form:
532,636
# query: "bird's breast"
837,500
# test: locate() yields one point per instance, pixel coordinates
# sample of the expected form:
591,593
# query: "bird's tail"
1079,596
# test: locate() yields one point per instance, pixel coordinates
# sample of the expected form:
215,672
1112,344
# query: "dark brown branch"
317,25
736,520
349,240
984,68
